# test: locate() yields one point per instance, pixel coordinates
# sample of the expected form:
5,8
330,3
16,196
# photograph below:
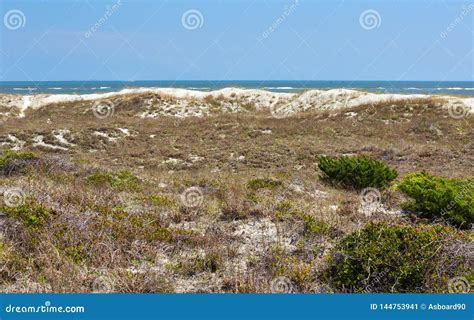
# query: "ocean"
458,88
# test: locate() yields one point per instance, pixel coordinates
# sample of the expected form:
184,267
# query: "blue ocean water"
459,88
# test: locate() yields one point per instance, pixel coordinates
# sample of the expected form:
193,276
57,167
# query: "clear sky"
236,40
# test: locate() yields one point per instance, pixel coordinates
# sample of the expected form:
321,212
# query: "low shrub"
297,271
75,253
235,207
121,181
313,226
283,210
162,201
357,172
257,184
31,214
439,198
384,258
11,261
15,161
210,262
233,213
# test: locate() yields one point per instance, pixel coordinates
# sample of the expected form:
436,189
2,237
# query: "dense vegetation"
386,258
122,180
14,161
439,198
357,172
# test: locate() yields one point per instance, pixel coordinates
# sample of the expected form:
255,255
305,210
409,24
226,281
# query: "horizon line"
240,80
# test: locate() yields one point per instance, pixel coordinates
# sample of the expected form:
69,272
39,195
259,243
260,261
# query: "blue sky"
236,40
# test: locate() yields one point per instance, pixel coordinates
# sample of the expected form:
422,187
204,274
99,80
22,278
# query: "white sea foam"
25,89
455,88
281,88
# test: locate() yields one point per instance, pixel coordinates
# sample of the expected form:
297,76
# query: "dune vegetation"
357,199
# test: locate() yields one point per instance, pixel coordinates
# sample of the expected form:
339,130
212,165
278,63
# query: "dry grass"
243,235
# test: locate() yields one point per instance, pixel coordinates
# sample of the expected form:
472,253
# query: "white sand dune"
278,103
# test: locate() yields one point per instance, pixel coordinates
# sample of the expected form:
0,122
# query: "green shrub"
283,209
15,161
281,264
121,181
357,172
383,258
162,201
31,214
75,253
313,226
440,198
257,184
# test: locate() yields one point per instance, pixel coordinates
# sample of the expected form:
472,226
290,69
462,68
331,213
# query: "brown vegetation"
265,213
